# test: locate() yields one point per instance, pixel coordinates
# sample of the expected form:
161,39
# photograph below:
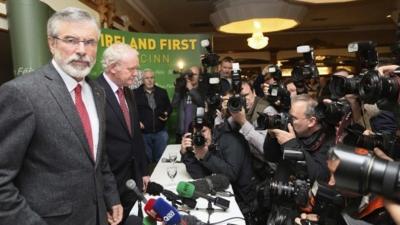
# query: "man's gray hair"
116,52
69,14
311,104
148,70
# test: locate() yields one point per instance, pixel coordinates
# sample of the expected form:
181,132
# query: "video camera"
359,171
236,102
301,74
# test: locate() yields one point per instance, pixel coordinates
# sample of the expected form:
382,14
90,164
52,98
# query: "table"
160,176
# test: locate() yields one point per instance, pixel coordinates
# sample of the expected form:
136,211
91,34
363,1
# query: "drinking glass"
172,157
171,172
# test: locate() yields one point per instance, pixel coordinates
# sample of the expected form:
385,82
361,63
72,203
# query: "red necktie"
83,114
124,108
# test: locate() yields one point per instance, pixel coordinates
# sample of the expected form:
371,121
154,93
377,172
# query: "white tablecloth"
160,176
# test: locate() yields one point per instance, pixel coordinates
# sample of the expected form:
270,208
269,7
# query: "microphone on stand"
131,185
156,189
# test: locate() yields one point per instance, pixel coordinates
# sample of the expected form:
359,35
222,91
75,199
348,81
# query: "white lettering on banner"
169,216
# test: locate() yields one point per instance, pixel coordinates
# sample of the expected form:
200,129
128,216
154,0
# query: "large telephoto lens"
341,86
361,172
374,87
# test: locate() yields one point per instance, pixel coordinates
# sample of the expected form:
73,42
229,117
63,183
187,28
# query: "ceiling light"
257,41
249,16
324,1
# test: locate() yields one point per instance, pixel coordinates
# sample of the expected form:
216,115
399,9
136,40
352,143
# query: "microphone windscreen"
219,182
190,220
167,212
201,185
148,209
130,184
154,188
185,189
149,221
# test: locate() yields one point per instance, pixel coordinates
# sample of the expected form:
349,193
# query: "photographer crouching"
220,150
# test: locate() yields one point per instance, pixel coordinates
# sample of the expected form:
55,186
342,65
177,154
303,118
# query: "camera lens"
359,171
374,87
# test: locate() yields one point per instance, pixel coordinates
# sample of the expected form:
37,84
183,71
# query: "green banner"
159,52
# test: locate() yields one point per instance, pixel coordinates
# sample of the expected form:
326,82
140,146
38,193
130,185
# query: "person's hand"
163,117
146,180
310,217
265,87
239,117
189,84
284,136
200,152
387,70
394,210
186,142
115,215
141,125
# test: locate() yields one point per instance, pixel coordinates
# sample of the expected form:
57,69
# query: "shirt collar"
68,80
113,86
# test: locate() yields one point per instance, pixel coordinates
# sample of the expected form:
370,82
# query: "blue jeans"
155,144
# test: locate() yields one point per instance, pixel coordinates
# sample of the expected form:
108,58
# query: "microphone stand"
210,210
140,212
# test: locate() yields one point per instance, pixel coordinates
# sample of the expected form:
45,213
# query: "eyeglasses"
74,42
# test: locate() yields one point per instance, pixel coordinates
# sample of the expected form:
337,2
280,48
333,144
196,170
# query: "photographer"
224,151
225,69
307,133
186,98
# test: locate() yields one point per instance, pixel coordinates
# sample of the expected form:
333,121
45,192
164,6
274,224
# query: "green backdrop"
159,52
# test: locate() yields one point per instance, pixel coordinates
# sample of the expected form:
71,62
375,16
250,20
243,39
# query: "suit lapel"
99,100
113,102
58,89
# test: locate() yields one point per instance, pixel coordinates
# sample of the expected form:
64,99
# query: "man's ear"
313,121
52,43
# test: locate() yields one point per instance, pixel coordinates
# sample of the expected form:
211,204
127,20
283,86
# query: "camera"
359,171
236,102
384,141
210,59
197,137
180,82
275,72
366,54
341,86
303,73
335,111
277,121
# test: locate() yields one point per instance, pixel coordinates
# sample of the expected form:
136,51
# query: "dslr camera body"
236,102
301,74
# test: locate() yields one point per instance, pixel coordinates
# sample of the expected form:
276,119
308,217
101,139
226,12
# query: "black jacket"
229,157
314,147
147,116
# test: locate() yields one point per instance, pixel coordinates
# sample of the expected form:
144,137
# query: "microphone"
188,190
167,212
131,185
156,189
149,221
211,184
148,209
190,220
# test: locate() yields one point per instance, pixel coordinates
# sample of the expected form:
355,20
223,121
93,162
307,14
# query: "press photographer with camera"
308,133
221,150
186,98
225,69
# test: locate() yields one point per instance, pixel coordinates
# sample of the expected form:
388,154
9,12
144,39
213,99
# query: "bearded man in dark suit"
53,167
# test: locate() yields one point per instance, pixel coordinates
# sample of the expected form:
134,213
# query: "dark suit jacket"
46,173
126,153
147,116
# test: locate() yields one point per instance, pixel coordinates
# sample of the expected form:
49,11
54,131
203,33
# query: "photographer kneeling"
221,151
306,133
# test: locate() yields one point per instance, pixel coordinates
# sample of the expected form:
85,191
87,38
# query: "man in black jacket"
306,133
124,140
224,152
154,109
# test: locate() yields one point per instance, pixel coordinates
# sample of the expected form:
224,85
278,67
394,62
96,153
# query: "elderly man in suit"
124,141
53,169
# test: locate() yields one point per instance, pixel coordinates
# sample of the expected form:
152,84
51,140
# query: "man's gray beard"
79,73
